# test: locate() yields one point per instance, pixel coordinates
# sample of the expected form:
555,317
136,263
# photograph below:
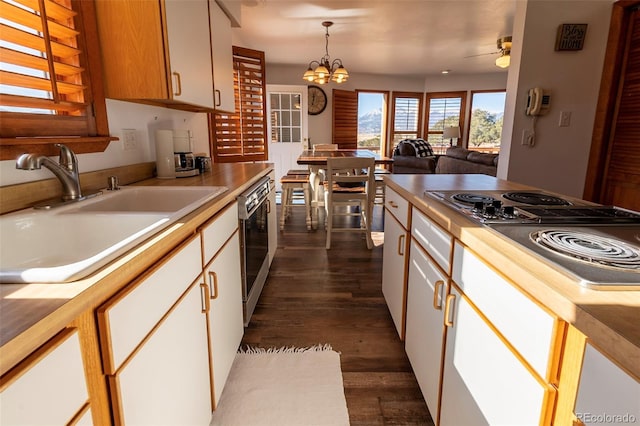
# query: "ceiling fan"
504,49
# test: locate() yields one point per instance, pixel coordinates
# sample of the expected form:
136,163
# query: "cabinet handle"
178,84
219,101
448,310
401,245
437,301
392,204
268,206
214,284
204,288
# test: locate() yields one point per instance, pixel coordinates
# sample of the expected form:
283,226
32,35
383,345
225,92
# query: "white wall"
144,119
558,160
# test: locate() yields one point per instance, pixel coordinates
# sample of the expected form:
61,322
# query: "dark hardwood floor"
314,295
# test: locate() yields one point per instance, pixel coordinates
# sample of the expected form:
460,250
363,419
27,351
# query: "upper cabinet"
157,52
222,51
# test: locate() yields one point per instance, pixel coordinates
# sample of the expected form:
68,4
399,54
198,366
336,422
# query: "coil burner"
535,199
591,248
469,198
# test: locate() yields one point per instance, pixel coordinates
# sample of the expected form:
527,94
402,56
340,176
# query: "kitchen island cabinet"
521,309
160,53
38,312
394,257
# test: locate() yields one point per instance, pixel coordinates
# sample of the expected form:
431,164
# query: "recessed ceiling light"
446,71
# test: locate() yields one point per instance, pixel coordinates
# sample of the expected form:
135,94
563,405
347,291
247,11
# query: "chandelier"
325,69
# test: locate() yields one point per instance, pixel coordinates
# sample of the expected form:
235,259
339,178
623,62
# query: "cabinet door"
166,380
425,330
484,383
607,395
393,270
226,325
221,46
51,389
189,51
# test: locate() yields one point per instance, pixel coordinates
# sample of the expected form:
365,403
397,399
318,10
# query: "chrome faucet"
66,170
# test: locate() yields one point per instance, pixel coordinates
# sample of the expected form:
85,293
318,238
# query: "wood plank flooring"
313,295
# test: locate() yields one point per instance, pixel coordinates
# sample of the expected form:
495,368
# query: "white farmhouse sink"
71,242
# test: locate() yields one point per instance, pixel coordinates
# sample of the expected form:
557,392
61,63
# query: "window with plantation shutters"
406,113
242,136
345,119
46,88
443,110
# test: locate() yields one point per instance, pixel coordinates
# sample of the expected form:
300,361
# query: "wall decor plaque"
571,36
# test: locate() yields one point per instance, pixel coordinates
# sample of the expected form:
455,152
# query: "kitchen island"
577,316
32,314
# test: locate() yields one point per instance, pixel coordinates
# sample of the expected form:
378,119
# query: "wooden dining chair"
325,147
350,185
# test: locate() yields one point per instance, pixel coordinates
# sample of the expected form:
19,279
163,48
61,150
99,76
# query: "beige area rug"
286,386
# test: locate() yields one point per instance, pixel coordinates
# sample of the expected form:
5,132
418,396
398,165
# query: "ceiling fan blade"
483,54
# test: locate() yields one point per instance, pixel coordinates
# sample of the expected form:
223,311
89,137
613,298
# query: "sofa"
456,160
407,161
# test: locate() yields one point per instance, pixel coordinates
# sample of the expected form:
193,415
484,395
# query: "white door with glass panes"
287,127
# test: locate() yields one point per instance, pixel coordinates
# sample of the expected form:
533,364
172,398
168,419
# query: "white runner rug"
287,386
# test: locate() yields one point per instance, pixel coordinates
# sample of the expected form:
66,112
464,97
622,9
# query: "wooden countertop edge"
91,292
552,289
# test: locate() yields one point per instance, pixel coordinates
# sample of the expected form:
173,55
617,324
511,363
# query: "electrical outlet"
528,137
565,119
129,141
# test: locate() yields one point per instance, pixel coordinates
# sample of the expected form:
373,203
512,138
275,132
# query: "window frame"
468,124
445,95
420,96
18,133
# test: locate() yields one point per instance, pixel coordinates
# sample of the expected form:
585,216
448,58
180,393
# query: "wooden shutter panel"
622,176
345,119
242,136
43,65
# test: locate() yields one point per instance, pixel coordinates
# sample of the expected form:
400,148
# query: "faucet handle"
67,157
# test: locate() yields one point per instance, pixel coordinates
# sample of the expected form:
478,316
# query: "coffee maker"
184,159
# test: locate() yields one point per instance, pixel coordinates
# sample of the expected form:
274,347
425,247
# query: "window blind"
444,112
242,136
345,119
41,71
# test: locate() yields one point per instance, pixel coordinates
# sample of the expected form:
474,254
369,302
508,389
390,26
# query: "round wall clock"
317,100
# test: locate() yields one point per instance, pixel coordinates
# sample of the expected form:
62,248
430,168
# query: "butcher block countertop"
610,319
30,314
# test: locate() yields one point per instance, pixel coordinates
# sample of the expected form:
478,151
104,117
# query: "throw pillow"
422,147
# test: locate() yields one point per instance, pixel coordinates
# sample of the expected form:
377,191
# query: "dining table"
317,160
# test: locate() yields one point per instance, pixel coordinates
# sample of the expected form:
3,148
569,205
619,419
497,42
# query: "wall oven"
254,243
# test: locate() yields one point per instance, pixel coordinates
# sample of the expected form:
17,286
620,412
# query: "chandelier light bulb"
326,70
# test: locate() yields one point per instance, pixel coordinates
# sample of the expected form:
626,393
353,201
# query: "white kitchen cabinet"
606,393
222,50
525,324
484,383
160,53
49,387
226,324
425,331
153,336
166,381
394,256
223,275
272,218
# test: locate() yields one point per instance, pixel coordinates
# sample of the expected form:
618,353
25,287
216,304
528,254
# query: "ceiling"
392,37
